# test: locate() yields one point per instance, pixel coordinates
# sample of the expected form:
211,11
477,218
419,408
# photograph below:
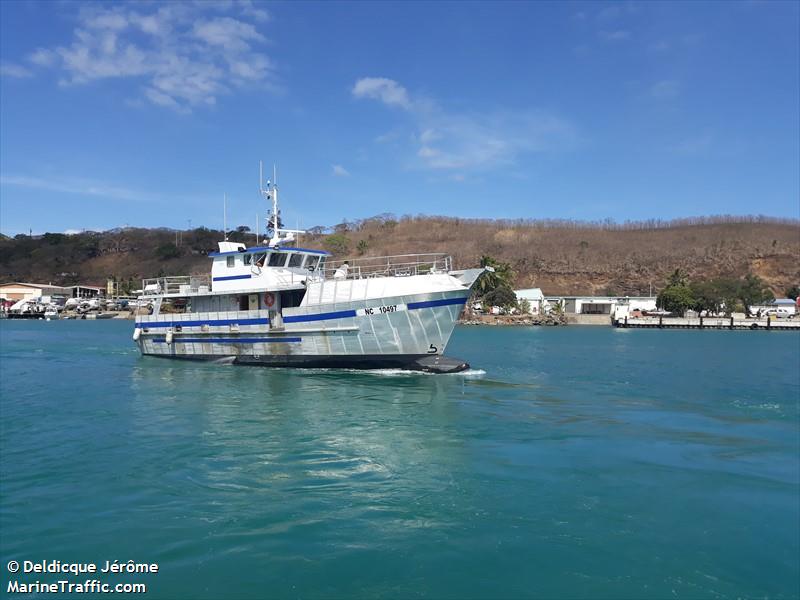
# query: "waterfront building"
85,291
535,298
30,291
600,305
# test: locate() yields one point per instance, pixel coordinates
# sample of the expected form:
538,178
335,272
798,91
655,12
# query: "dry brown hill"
561,257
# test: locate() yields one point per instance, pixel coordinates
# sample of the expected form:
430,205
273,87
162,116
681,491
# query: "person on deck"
341,272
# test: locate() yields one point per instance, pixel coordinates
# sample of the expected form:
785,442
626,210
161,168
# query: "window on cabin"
231,260
295,260
248,259
312,263
259,259
277,259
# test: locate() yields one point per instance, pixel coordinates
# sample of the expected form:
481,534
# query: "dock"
768,324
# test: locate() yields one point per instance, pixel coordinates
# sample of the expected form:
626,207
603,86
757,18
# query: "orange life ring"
269,299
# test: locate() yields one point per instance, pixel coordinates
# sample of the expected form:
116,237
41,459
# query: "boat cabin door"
272,300
252,302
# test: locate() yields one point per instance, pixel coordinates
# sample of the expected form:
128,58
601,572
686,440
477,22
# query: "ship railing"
399,265
180,285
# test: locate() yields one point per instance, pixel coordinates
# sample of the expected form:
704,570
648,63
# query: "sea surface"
575,462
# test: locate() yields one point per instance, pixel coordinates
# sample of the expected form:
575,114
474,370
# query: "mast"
270,193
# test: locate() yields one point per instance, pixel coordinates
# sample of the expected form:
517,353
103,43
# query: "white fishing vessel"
282,306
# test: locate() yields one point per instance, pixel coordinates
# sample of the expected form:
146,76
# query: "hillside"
560,257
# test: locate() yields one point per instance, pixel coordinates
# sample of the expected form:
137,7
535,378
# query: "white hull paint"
278,305
404,326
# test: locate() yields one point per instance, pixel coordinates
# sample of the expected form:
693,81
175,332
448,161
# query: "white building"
601,305
535,298
29,291
85,291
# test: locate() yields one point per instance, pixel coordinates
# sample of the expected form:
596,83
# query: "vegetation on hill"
561,257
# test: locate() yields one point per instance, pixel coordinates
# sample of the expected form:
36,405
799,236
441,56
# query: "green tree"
678,278
753,290
337,243
676,299
362,247
714,295
167,251
726,289
705,296
793,292
490,281
524,305
502,296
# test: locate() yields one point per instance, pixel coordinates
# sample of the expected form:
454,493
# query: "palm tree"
501,277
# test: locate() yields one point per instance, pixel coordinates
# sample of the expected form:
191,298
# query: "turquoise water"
583,462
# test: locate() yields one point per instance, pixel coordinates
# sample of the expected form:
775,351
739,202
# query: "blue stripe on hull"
434,303
241,340
231,277
341,314
155,324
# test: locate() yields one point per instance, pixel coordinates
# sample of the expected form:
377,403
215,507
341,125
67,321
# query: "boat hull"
390,332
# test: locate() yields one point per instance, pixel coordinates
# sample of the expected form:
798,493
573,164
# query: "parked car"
778,313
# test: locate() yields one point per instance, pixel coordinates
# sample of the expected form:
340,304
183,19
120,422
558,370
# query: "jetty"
661,322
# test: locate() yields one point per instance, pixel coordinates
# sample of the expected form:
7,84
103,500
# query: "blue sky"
144,114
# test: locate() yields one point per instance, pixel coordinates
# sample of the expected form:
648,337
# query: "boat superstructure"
287,306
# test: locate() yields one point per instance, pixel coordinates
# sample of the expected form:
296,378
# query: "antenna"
270,194
225,215
256,229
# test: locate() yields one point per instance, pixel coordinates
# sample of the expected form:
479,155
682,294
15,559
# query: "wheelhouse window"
277,259
296,259
312,262
248,259
231,261
260,259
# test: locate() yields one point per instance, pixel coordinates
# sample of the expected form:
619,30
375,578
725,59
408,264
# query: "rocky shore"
475,319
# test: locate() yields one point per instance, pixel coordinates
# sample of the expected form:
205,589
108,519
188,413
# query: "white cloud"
619,35
457,141
43,57
12,70
667,88
72,185
386,90
113,21
340,171
230,34
249,10
184,54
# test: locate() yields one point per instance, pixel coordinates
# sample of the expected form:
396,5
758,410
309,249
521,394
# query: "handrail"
398,265
177,285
